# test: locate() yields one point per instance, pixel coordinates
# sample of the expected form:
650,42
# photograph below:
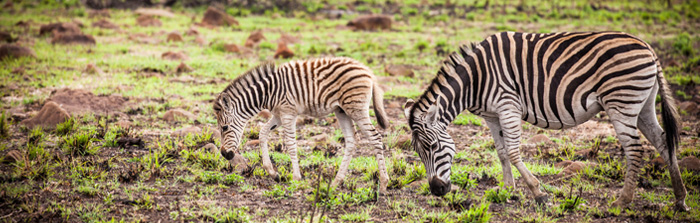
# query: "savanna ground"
126,163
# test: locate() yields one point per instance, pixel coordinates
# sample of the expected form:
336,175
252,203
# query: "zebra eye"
224,128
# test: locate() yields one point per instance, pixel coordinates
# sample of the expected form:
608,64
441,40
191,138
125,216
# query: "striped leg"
626,129
649,126
496,132
361,117
512,131
264,135
290,128
348,129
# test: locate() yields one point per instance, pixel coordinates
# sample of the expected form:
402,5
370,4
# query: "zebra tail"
378,100
669,113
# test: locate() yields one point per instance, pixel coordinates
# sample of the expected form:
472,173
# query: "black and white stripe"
315,87
554,81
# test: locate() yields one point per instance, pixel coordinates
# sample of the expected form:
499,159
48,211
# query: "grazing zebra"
314,87
554,81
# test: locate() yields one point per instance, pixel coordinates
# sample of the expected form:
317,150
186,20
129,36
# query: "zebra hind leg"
361,117
626,129
649,126
348,129
290,128
264,136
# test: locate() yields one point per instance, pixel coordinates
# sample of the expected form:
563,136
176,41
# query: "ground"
137,144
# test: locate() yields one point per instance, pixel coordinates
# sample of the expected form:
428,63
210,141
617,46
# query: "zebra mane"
451,60
255,73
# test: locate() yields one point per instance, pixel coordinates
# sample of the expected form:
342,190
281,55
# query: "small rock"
124,124
15,51
183,68
105,24
48,117
175,114
233,48
92,69
265,114
239,163
174,56
540,139
689,163
320,138
563,164
12,157
200,40
399,70
254,39
658,162
370,22
283,51
573,168
61,28
154,12
191,130
404,142
252,143
689,107
192,32
7,37
174,37
73,38
148,20
211,148
214,17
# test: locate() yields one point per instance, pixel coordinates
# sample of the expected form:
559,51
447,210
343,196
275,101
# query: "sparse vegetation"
128,164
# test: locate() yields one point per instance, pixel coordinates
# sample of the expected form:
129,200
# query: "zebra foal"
315,87
554,81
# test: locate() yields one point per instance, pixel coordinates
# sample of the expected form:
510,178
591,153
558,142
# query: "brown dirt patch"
154,12
215,17
283,51
50,115
174,56
147,20
254,39
73,38
77,102
15,51
105,24
59,28
371,22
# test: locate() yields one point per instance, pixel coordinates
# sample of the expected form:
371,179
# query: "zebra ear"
407,107
431,116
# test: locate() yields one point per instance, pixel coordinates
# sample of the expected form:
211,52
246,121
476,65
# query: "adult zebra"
554,81
313,87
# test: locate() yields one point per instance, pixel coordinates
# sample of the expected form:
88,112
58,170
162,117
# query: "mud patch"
50,115
15,51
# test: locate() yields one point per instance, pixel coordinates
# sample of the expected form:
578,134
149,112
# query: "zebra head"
432,143
230,123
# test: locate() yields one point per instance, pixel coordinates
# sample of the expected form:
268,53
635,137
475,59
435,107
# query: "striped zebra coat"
315,87
554,81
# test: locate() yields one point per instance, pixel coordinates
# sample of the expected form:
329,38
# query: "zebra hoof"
681,207
541,200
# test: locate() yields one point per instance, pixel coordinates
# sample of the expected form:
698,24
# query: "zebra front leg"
348,129
512,131
264,136
290,128
497,133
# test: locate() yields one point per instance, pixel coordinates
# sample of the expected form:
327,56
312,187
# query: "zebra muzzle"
438,187
228,154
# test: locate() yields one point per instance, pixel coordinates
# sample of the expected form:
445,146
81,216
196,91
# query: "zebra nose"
438,187
228,154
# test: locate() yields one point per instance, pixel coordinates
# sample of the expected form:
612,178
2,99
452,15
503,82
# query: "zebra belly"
580,117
